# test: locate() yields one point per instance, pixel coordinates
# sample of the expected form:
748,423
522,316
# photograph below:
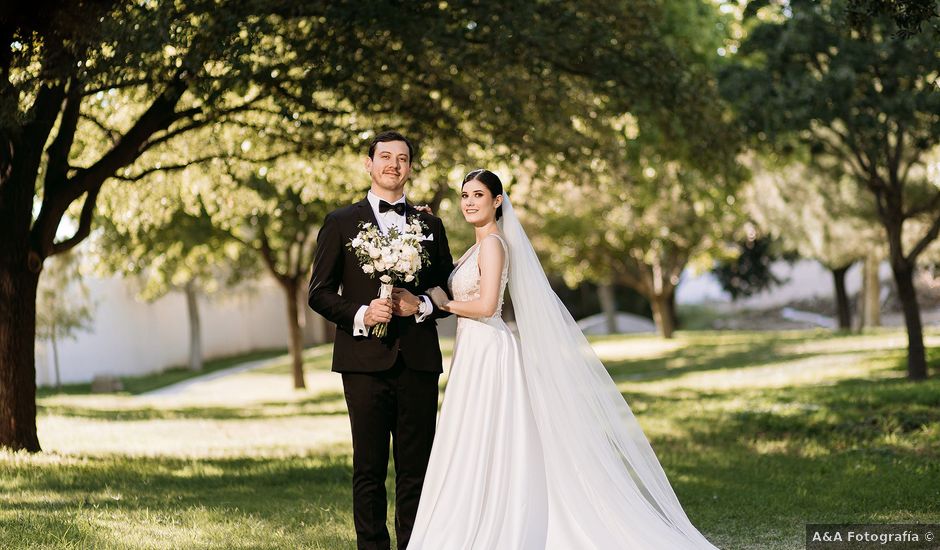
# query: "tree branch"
117,86
631,277
930,206
84,224
89,180
925,241
914,160
894,158
166,168
206,158
158,116
111,133
216,116
849,153
6,58
43,115
267,254
57,156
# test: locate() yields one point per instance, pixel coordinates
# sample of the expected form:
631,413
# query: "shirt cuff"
359,322
428,308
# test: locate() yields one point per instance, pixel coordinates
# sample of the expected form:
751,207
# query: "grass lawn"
759,434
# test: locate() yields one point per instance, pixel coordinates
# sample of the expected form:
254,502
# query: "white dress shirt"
388,219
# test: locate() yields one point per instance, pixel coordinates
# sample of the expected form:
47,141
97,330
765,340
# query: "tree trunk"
18,284
871,296
605,294
916,356
673,312
55,357
25,242
296,338
662,315
195,327
18,355
843,313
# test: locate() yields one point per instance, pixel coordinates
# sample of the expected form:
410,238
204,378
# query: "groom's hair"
391,135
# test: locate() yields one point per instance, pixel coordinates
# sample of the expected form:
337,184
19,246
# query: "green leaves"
909,15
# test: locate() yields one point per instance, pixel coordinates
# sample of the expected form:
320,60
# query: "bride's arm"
490,259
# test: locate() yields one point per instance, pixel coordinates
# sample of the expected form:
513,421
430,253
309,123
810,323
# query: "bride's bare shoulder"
492,249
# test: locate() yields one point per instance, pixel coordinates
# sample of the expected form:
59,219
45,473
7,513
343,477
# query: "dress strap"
501,240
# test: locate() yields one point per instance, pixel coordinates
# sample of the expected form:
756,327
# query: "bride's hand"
426,208
438,296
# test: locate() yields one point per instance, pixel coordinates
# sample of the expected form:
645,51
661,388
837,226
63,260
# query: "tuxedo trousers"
399,404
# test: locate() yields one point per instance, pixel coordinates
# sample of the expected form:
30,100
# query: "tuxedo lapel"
366,213
410,212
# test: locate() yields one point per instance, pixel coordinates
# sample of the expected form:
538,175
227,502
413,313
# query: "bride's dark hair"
491,181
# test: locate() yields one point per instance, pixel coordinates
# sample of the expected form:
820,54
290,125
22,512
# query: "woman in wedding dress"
535,447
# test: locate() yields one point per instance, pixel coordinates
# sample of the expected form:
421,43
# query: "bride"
535,447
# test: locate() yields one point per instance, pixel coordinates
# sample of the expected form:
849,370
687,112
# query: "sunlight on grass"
759,433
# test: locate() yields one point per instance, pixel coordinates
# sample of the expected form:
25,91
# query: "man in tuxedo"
390,383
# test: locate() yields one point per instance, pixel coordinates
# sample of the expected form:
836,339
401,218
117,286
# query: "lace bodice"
464,281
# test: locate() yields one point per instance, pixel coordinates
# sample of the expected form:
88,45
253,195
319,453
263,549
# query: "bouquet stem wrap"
385,292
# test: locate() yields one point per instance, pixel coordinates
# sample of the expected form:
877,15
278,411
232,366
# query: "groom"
391,382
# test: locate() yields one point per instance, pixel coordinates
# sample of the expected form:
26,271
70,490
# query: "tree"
63,305
640,225
146,74
161,236
749,272
867,106
908,15
275,216
816,218
649,191
169,60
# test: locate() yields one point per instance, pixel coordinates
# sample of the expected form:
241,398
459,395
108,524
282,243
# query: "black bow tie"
399,208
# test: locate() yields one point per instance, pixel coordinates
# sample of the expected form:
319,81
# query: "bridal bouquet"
397,256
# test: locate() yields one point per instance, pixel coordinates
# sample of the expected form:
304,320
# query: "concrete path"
180,387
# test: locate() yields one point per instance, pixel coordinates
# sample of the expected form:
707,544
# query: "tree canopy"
867,106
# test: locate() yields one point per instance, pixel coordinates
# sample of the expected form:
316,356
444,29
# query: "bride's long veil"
601,471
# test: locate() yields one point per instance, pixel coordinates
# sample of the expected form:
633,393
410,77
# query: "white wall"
130,337
804,279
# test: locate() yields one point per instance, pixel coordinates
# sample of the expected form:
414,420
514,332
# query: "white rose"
385,279
357,242
380,266
368,269
409,278
374,251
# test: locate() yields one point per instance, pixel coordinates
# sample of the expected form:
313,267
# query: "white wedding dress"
532,449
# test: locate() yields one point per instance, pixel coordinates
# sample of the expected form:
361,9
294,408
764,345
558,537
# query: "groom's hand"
404,303
379,311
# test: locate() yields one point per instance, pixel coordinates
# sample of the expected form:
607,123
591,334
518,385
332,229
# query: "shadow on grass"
310,406
751,466
855,451
290,502
701,354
